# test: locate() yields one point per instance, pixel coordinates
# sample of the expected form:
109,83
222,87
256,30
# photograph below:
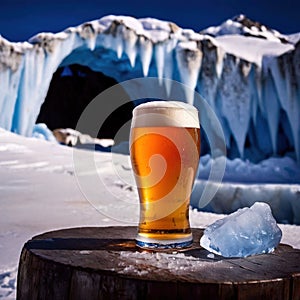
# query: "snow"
243,26
128,21
45,195
246,232
251,49
294,38
156,29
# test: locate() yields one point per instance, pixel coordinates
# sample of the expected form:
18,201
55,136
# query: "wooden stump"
104,263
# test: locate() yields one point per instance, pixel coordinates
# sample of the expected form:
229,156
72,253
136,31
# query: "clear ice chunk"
248,231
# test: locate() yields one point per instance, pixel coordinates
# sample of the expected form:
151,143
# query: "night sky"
19,20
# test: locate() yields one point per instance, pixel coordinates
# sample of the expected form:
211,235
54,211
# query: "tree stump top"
104,262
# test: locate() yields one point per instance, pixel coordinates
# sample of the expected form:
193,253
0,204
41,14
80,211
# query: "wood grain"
104,263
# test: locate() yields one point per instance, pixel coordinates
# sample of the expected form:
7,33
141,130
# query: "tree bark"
104,263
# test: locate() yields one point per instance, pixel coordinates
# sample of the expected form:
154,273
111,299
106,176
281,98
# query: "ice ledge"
154,30
284,199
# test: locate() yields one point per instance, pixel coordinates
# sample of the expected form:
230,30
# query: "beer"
164,151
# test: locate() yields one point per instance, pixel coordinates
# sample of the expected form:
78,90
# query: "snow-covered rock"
242,25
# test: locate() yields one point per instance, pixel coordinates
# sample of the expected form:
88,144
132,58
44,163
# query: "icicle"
272,111
160,61
113,37
293,105
189,59
130,39
258,81
92,43
219,63
245,67
287,94
295,121
254,108
235,100
4,77
8,94
88,33
168,66
254,93
168,71
207,83
91,40
277,71
145,53
114,43
118,46
27,86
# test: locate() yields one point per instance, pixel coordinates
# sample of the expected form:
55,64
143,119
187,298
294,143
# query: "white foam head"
165,114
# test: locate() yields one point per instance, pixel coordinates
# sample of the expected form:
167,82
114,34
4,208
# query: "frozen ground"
40,192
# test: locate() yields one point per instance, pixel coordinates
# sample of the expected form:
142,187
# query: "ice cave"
71,89
248,73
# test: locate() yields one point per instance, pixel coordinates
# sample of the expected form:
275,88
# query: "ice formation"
43,132
248,73
248,231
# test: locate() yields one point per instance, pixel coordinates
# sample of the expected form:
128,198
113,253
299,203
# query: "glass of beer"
164,152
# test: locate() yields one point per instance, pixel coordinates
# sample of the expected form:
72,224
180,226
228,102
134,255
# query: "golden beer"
164,150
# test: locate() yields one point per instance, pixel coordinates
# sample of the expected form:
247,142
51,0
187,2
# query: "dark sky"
19,20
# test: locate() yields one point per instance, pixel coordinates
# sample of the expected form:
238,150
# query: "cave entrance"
71,89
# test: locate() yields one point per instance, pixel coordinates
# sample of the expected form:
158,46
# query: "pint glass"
164,152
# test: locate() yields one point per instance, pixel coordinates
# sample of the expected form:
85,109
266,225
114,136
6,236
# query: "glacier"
249,74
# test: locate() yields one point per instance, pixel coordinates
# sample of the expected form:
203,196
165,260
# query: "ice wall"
249,74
